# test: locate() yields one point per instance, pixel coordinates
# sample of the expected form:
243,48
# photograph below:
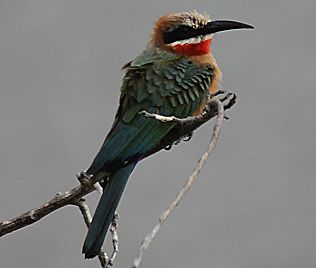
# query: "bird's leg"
86,180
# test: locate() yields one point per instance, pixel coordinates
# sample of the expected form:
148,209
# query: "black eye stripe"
180,33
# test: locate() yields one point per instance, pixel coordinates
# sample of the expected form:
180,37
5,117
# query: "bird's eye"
180,33
184,29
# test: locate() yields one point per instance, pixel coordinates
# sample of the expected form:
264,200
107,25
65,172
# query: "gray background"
254,203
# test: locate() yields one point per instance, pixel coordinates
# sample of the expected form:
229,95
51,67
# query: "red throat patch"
194,49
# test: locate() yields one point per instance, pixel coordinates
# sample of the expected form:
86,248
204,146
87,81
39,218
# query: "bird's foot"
184,138
84,178
188,137
228,100
168,147
217,93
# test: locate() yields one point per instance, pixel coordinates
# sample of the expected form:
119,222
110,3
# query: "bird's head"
189,33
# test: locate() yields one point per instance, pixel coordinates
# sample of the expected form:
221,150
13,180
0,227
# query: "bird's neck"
195,49
203,60
208,59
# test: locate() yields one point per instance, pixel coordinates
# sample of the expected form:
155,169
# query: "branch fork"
81,203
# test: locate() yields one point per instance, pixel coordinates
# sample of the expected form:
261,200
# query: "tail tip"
89,253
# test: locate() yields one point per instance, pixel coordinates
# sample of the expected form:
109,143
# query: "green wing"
172,84
159,83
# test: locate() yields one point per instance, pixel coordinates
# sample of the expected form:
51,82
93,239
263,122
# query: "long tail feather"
105,211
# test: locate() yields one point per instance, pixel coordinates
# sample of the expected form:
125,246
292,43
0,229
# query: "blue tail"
105,211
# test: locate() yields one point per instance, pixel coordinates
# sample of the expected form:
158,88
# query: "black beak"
224,25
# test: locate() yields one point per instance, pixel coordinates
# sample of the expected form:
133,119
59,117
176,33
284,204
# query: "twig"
163,217
115,240
87,185
85,211
165,119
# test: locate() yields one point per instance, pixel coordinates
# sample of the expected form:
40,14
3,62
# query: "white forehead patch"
196,20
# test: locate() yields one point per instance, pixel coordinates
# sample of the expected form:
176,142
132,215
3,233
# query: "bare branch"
163,217
60,200
115,240
34,215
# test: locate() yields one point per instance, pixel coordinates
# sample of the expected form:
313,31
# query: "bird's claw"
229,100
187,137
168,147
217,93
84,178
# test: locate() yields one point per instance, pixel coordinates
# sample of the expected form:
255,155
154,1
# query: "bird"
173,76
